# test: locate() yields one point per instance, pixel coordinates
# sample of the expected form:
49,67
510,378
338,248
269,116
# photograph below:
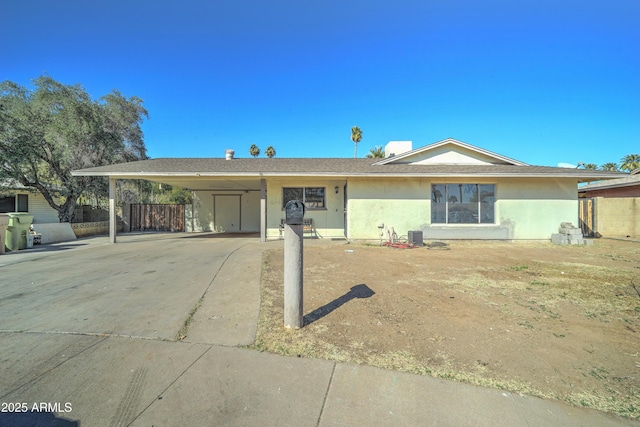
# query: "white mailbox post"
293,282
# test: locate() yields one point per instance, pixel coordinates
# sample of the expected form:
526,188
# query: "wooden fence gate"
157,217
586,217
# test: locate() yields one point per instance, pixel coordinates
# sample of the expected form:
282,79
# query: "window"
23,203
8,204
462,204
312,197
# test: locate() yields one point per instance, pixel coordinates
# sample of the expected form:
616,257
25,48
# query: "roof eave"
606,186
139,175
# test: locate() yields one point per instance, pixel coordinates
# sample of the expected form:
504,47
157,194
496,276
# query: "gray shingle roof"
342,167
627,181
12,184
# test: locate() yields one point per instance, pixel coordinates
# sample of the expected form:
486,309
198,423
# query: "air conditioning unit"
415,237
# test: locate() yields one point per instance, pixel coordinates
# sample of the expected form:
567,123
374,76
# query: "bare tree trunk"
67,211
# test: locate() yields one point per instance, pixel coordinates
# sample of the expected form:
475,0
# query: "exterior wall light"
336,188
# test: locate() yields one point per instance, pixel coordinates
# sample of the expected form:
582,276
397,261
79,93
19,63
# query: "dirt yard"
559,322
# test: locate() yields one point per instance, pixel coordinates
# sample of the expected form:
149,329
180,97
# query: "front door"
227,212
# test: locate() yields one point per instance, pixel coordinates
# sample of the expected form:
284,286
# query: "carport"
231,201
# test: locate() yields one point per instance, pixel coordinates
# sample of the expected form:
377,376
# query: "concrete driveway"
143,286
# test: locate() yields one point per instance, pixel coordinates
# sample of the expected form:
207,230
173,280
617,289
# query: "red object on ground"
399,245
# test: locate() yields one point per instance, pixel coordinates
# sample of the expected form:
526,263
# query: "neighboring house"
611,208
629,186
15,197
447,190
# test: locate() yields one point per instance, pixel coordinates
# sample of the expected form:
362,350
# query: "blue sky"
539,81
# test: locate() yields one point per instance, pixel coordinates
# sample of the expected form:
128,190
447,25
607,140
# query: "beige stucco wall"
534,209
246,212
525,208
327,223
203,208
447,155
617,216
399,203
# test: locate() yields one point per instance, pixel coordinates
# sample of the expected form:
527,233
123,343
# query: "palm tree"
613,167
630,162
376,152
356,136
270,152
591,166
254,150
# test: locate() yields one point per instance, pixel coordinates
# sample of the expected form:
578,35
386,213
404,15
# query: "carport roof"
327,167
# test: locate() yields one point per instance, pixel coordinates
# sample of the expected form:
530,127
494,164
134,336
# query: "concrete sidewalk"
97,348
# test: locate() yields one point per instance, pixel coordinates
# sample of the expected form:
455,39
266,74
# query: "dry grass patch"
560,322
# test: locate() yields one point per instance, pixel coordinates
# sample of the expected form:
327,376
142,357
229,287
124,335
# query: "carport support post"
263,210
293,276
112,210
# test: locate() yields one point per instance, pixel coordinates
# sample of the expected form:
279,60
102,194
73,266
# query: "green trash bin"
18,230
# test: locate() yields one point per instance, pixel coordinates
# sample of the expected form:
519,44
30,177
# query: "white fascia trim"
143,175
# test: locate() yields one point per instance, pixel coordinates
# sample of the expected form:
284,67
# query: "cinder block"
570,231
559,239
588,242
573,240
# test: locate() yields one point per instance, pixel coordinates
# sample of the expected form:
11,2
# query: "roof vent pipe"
229,154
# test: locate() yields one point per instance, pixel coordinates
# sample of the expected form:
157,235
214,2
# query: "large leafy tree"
356,137
52,129
630,162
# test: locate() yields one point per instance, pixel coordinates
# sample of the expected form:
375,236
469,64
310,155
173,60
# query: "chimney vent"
229,154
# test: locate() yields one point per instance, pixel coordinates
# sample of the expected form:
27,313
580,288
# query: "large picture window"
463,204
312,197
